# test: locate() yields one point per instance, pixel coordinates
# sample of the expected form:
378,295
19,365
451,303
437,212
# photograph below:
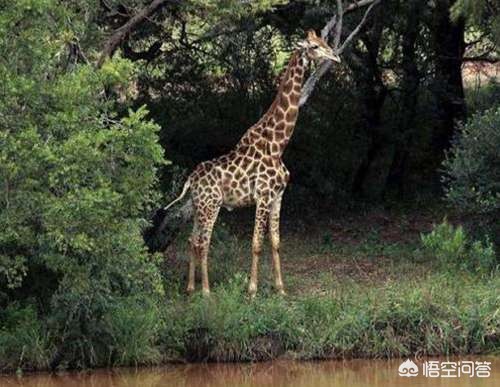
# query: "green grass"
436,315
366,287
361,287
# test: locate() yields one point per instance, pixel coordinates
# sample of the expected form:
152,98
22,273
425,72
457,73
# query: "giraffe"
253,173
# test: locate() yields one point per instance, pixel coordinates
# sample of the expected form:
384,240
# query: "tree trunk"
410,80
448,45
369,179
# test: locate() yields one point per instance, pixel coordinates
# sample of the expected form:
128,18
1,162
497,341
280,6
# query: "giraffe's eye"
314,46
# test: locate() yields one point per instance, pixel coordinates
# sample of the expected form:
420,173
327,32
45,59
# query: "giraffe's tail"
186,187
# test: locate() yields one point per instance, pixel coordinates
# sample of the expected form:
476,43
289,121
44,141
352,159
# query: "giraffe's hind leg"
193,244
206,221
274,234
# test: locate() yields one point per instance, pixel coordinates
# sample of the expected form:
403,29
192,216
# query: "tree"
448,49
483,16
77,175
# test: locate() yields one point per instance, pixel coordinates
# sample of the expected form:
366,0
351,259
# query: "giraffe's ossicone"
253,172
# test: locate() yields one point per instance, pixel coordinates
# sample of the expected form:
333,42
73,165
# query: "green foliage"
23,339
484,13
453,250
227,327
133,326
483,97
436,315
473,165
217,10
77,175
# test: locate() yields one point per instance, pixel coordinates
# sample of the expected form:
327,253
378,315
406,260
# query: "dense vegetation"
87,121
437,304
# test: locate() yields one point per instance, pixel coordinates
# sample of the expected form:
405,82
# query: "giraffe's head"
316,48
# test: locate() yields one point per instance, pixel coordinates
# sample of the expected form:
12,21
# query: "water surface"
354,373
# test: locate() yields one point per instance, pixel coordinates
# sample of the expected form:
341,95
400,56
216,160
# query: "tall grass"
438,315
441,314
453,250
451,307
24,343
133,327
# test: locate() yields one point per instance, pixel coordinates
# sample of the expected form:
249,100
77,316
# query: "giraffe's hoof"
190,290
281,292
206,293
252,290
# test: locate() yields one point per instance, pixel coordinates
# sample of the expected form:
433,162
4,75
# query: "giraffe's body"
252,173
254,169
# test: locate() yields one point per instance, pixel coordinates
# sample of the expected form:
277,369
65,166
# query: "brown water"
355,373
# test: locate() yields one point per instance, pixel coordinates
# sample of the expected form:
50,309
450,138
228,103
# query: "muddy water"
354,373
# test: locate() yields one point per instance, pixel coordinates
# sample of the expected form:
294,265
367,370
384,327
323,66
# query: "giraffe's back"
238,178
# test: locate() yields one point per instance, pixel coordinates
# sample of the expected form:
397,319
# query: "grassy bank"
366,285
435,315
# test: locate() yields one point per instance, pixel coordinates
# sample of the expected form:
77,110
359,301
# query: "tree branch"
148,55
120,34
338,27
358,27
357,4
325,65
479,58
328,27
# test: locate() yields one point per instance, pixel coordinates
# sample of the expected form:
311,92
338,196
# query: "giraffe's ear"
311,34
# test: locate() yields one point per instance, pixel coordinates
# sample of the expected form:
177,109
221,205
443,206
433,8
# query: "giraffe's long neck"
275,128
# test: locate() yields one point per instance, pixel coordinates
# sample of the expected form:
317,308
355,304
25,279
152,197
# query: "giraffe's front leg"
261,220
274,234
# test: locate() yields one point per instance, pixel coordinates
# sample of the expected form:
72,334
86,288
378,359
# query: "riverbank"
362,287
433,315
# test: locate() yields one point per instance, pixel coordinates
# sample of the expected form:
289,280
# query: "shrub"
452,249
472,168
77,175
133,326
24,342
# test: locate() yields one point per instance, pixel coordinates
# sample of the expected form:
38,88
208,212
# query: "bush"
77,175
24,342
472,168
133,326
453,250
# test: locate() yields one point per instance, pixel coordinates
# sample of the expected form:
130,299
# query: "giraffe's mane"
294,57
258,128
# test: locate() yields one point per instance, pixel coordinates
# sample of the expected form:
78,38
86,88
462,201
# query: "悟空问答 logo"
408,369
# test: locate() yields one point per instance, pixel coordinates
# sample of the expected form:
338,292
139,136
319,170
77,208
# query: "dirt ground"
318,251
